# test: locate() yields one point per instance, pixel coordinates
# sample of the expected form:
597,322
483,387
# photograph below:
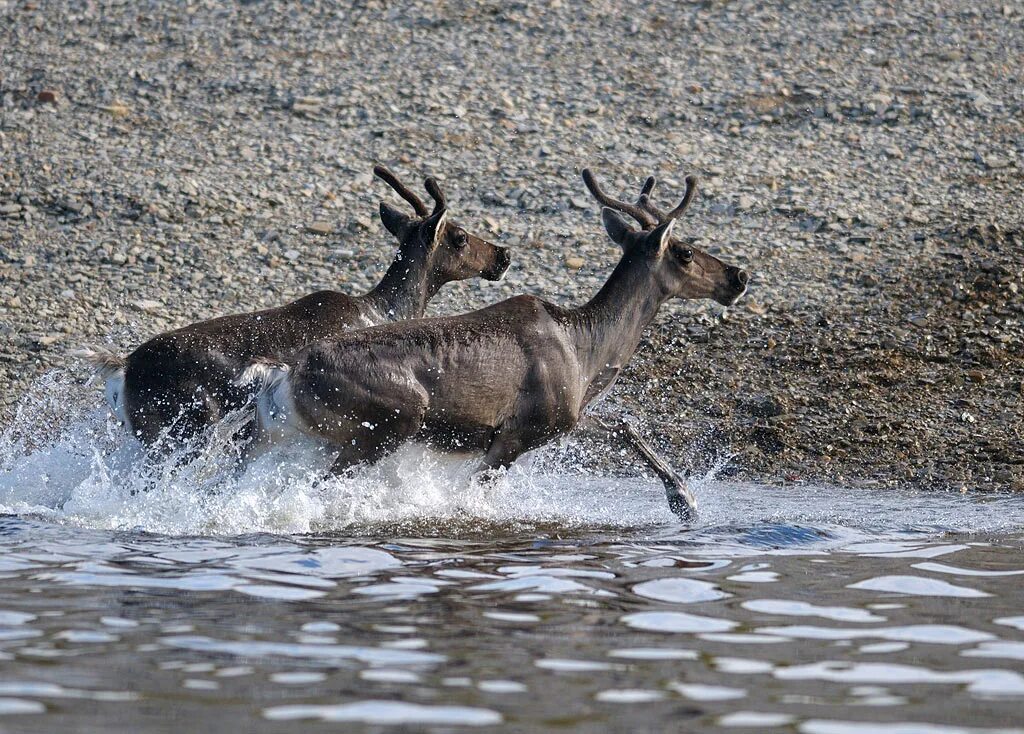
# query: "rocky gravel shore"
162,162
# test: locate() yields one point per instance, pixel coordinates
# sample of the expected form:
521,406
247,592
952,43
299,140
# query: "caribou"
176,384
500,381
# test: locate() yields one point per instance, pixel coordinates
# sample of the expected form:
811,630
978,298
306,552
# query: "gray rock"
319,228
148,306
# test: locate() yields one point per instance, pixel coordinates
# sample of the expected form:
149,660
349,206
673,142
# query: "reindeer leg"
367,444
505,448
680,499
364,450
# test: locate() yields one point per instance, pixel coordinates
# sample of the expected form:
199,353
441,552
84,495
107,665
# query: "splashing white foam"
63,458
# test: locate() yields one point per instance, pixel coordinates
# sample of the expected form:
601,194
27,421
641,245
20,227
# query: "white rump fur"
275,411
109,366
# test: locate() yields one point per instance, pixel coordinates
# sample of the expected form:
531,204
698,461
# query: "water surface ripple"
787,614
413,599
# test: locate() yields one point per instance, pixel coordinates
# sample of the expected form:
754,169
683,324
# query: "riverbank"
164,163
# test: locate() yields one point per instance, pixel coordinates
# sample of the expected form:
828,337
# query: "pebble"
765,407
148,306
319,228
117,109
162,189
306,105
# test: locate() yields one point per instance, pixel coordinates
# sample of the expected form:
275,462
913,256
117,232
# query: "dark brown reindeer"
502,380
173,386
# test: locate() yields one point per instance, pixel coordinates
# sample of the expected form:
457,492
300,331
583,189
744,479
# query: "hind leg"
367,442
502,453
164,420
369,450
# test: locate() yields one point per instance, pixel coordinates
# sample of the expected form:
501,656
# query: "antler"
645,200
434,189
404,191
643,211
637,211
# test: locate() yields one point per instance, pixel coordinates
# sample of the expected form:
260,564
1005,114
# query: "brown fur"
179,382
502,380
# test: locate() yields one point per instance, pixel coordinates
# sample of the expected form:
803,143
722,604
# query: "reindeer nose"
504,258
500,266
740,278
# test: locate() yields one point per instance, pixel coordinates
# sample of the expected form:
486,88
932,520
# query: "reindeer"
500,381
181,381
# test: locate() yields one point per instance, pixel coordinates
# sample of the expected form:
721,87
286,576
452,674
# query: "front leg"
680,499
505,448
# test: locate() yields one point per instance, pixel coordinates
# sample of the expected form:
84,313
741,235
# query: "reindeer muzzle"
738,280
502,260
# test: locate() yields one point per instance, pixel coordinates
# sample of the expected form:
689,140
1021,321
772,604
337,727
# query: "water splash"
64,459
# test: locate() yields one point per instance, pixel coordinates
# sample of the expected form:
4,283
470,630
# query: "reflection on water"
137,599
583,629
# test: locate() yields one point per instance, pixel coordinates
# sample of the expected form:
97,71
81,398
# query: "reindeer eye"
461,239
685,255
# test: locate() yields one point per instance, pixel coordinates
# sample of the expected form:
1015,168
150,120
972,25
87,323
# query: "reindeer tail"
265,374
109,367
272,394
106,362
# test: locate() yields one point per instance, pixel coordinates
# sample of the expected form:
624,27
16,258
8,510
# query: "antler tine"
386,175
648,206
634,210
691,189
662,217
434,189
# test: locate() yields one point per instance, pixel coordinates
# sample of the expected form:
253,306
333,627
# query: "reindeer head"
449,251
681,270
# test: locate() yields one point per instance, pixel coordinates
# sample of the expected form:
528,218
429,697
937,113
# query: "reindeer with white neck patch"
500,381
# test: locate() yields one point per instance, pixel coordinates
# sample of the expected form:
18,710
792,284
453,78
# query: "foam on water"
65,460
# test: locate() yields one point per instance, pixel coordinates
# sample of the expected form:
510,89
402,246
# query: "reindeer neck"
607,330
404,290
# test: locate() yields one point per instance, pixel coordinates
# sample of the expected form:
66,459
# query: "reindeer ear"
396,222
432,229
617,228
658,239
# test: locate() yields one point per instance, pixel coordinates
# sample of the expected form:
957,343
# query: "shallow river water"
548,602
